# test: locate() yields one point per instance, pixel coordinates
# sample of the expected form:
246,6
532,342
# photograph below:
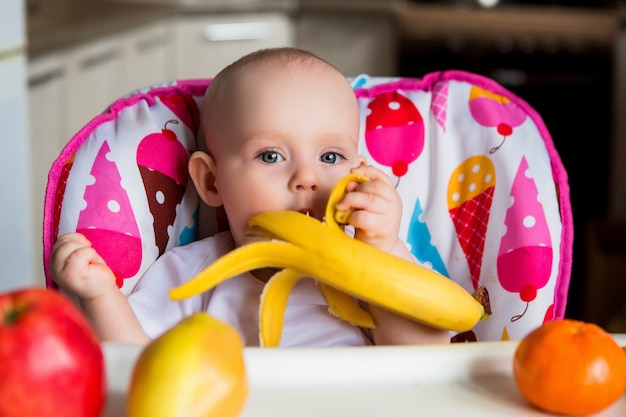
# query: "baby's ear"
201,168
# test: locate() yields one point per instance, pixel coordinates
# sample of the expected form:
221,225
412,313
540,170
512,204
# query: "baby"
281,128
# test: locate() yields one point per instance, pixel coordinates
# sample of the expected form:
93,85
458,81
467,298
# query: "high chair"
485,195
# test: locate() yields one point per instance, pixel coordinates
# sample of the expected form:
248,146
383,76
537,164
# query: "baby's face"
285,138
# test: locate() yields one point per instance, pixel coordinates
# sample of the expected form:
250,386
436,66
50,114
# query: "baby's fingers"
72,262
72,253
375,195
84,274
371,196
66,244
373,173
83,256
75,238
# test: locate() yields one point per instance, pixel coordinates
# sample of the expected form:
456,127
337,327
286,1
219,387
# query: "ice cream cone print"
394,131
525,255
184,106
108,221
162,162
439,103
420,239
549,316
470,194
494,110
464,337
505,335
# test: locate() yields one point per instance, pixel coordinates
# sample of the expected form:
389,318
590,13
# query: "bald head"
229,90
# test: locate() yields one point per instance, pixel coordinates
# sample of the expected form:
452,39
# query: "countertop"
82,20
460,379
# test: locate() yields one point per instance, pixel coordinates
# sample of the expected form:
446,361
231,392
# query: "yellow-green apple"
51,362
195,369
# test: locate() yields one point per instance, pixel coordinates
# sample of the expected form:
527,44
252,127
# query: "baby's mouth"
307,211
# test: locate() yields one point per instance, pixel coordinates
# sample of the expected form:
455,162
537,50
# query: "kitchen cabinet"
204,44
67,88
355,43
96,72
148,56
109,67
47,87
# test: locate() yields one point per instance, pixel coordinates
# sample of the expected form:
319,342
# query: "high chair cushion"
485,195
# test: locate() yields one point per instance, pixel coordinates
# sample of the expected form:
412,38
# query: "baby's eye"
332,158
270,157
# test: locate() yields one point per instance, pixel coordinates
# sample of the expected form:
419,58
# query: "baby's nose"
305,179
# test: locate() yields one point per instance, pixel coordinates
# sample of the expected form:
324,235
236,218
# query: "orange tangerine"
570,367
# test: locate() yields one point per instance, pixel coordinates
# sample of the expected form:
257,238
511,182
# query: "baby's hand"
377,208
76,267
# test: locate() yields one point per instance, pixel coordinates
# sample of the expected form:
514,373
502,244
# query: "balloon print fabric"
483,191
485,196
122,181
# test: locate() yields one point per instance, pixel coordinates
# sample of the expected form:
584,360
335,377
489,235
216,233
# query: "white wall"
17,263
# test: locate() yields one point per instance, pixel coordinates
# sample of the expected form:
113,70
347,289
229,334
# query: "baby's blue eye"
271,157
331,158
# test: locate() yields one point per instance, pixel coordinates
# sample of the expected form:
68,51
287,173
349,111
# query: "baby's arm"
78,269
376,219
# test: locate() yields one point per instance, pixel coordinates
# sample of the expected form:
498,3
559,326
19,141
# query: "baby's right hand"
76,267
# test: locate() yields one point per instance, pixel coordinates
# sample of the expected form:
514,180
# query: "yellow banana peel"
346,269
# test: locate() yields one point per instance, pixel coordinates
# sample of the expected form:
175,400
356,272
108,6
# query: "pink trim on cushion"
558,170
191,87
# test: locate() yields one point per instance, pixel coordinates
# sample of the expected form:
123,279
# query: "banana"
346,269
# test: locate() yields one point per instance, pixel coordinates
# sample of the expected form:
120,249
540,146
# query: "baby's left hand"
377,208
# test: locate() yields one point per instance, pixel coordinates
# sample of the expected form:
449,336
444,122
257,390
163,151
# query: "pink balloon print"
108,220
494,110
525,255
394,131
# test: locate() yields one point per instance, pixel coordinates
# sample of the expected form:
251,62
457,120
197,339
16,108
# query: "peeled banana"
305,247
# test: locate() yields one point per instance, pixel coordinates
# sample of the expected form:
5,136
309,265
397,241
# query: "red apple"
51,362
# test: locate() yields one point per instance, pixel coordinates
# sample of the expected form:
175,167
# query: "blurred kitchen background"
567,58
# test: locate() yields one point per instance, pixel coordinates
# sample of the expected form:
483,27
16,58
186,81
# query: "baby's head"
239,85
281,127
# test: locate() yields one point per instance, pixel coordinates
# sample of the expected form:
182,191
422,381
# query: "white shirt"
235,301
